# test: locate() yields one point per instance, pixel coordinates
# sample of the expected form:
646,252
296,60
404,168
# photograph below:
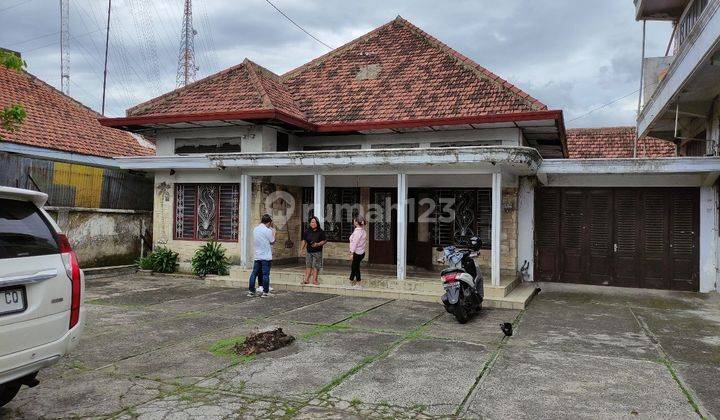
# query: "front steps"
511,294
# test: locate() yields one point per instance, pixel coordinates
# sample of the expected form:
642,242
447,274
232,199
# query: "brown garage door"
631,237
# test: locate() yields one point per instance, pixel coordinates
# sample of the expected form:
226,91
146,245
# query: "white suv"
41,290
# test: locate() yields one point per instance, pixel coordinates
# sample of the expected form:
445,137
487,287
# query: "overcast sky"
574,55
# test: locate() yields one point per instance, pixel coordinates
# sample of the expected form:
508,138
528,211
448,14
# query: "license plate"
12,300
449,286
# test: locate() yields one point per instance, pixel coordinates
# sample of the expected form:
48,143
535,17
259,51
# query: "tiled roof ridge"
472,65
177,91
255,80
339,50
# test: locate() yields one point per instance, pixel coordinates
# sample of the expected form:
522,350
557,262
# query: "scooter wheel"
461,315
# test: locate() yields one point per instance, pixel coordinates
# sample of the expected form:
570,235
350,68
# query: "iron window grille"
207,211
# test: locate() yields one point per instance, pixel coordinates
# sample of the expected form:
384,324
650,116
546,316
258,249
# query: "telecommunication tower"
187,69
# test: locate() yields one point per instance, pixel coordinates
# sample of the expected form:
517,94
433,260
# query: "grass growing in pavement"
668,364
322,329
665,360
490,362
226,348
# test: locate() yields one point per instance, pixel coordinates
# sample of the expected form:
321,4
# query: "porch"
419,285
448,195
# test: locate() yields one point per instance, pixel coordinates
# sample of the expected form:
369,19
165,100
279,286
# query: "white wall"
496,136
264,139
708,239
526,225
252,138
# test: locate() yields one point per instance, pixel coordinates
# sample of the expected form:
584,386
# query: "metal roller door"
630,237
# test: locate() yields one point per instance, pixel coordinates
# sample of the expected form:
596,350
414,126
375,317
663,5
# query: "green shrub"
144,263
210,259
163,260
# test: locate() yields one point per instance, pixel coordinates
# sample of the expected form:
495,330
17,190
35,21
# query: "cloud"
572,55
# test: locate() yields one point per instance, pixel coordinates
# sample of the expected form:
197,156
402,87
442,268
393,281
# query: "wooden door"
547,233
599,241
684,239
573,237
630,237
626,227
383,227
419,231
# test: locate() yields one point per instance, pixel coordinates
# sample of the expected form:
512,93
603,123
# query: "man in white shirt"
263,238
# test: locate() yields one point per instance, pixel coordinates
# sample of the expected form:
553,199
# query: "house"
396,116
61,149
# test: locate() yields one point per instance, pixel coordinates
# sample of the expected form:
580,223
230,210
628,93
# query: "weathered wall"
508,238
102,237
163,217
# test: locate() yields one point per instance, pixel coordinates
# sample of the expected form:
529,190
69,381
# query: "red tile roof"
614,142
56,121
396,72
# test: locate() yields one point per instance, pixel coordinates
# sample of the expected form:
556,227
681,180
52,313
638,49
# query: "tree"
11,116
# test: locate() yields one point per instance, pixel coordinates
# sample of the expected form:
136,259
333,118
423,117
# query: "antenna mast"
65,46
186,61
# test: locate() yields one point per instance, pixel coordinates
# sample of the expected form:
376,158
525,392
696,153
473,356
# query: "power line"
604,105
613,101
298,26
33,39
57,40
15,5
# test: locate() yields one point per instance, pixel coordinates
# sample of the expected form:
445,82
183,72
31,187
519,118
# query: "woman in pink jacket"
358,240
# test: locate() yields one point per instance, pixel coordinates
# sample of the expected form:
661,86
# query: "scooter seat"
451,270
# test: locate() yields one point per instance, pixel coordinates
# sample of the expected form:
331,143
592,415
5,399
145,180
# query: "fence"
75,185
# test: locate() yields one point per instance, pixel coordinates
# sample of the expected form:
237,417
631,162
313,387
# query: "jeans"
355,266
261,269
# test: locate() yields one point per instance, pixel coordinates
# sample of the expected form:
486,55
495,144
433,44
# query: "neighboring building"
61,149
680,91
396,115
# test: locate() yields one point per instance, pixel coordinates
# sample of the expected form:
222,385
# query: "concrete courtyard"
160,347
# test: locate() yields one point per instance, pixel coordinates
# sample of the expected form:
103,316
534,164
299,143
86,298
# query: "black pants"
355,267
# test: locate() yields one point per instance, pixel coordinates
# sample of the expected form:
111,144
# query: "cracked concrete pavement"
152,349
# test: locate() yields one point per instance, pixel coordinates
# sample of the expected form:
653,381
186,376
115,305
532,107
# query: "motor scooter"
462,281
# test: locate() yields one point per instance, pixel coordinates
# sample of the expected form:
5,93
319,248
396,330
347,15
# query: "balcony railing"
688,20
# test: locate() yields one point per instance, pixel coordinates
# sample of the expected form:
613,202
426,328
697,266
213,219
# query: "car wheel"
8,392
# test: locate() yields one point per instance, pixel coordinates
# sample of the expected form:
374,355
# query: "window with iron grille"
341,206
472,209
207,211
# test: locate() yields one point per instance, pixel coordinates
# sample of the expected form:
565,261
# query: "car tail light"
450,278
72,268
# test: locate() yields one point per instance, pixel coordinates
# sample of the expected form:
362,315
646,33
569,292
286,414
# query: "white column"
496,230
708,239
402,193
526,225
245,198
319,197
